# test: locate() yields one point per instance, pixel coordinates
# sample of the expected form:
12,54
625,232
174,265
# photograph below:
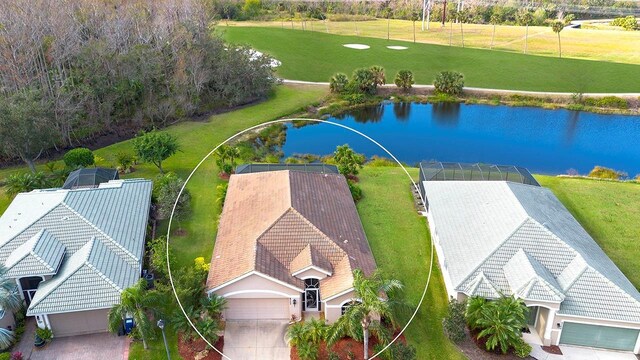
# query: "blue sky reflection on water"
545,141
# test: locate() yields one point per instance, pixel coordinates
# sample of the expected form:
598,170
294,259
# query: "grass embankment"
606,44
315,56
399,239
609,211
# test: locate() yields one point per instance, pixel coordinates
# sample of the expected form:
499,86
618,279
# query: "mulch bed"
553,349
474,349
190,349
342,348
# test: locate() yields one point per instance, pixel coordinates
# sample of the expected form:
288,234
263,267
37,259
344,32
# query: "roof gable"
95,265
40,255
530,280
310,257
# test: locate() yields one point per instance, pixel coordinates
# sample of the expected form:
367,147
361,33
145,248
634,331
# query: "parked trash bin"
128,325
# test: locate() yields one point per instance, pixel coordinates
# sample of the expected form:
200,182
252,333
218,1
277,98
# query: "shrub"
627,22
607,102
449,82
356,191
44,334
378,161
78,157
364,81
17,355
404,80
25,182
355,99
338,83
601,172
333,356
522,349
454,322
5,356
125,160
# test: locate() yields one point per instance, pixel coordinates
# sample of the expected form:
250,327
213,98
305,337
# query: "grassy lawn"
605,43
315,56
609,211
399,238
156,349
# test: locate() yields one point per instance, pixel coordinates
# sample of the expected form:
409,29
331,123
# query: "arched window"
346,306
311,294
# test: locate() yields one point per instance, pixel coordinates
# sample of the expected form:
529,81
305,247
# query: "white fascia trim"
634,325
338,295
258,274
312,267
344,302
67,311
261,291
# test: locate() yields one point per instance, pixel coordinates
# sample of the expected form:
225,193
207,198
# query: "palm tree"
378,74
358,321
135,302
181,323
414,17
502,322
387,12
557,27
9,301
494,20
525,18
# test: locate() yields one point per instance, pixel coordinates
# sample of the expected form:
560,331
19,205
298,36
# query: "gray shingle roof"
40,255
114,216
523,241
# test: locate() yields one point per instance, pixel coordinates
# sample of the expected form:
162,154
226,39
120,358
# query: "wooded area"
71,70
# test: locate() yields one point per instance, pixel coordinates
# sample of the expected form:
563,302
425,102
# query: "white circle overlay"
290,120
357,46
396,47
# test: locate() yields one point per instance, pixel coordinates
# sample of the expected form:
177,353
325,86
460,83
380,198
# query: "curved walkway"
491,91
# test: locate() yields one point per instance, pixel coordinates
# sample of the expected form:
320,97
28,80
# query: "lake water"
544,141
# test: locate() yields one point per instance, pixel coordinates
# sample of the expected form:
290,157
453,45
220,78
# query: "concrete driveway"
581,353
255,339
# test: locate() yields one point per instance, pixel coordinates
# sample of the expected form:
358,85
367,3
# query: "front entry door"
29,286
312,295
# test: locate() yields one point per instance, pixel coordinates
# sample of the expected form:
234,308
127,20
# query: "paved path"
103,346
579,353
491,91
255,339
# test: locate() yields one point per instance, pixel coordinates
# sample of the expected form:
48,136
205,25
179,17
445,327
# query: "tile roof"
114,215
309,257
522,240
92,278
270,218
40,255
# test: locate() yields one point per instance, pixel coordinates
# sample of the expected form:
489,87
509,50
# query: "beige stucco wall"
543,314
257,287
333,308
78,323
8,321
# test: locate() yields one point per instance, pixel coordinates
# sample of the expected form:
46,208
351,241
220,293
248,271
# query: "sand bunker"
397,47
357,46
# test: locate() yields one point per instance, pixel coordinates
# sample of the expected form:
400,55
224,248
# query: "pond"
544,141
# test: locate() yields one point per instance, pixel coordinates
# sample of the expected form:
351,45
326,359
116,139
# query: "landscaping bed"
196,349
474,349
343,347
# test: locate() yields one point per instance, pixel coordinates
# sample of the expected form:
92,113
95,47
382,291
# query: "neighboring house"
497,238
287,244
73,252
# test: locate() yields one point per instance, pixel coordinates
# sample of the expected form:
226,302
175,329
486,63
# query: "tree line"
72,70
476,11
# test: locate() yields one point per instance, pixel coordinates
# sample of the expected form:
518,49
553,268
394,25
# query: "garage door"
598,336
249,309
78,323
